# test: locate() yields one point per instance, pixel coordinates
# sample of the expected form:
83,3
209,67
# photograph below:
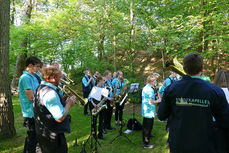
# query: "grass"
80,129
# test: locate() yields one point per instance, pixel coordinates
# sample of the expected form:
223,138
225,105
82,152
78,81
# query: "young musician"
191,103
170,79
51,113
161,89
87,84
93,104
148,110
27,86
119,84
109,110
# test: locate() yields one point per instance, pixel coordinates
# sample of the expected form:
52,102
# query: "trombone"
67,89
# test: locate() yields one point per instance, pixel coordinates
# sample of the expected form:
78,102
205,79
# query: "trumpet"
67,89
175,66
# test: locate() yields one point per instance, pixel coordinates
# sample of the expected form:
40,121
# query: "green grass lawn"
80,129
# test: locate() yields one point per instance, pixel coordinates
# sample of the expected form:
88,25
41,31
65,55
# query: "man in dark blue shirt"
191,103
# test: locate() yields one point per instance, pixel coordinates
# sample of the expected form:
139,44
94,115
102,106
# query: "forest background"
135,36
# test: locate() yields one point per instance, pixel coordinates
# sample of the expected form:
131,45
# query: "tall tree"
20,63
7,129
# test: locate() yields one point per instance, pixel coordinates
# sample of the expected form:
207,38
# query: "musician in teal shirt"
27,86
148,110
119,84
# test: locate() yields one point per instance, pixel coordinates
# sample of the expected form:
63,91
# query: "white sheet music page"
96,93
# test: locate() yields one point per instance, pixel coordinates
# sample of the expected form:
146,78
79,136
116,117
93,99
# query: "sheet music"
133,87
98,92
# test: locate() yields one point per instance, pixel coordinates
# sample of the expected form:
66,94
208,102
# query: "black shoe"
85,114
148,146
116,124
101,137
122,124
104,131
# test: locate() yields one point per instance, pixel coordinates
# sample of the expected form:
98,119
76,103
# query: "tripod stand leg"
115,138
128,138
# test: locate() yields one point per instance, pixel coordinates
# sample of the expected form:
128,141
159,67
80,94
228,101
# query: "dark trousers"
56,144
108,115
118,112
30,140
101,115
146,129
85,95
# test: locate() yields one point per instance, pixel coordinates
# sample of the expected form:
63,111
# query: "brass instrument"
121,95
66,89
175,66
100,106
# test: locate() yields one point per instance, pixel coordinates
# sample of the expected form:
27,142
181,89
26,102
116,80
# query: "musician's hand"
151,102
111,99
71,100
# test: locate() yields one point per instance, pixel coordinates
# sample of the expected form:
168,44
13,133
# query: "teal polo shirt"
119,84
51,101
27,81
148,110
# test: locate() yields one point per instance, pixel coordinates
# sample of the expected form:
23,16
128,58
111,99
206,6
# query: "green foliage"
79,34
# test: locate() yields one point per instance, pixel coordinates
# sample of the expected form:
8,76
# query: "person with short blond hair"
148,110
51,112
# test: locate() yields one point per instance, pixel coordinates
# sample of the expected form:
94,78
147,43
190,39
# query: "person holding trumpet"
51,113
87,84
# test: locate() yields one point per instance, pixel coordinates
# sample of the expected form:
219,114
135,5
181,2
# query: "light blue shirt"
110,85
168,81
52,102
119,84
85,81
27,81
148,110
162,89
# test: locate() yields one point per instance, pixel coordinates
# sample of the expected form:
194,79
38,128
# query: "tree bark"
20,63
7,129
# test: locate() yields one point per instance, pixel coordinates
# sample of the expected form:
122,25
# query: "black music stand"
133,88
92,137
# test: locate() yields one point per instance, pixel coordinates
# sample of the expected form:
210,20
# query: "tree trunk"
7,129
20,63
131,37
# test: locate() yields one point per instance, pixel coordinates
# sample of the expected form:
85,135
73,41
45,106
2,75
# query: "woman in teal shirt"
148,110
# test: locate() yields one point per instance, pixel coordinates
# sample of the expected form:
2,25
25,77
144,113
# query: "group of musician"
194,109
116,85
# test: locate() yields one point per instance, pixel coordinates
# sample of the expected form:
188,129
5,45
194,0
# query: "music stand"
92,137
133,88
